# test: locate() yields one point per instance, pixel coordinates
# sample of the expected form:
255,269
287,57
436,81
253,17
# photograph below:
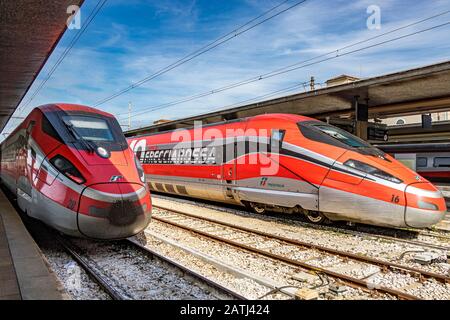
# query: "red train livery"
70,166
289,163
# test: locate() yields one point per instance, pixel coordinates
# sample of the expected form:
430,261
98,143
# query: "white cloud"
306,31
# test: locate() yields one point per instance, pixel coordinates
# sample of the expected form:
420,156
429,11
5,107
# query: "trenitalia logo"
115,178
263,181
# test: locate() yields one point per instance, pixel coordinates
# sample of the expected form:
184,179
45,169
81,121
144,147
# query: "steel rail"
360,283
187,271
365,259
413,242
95,275
440,233
354,256
430,234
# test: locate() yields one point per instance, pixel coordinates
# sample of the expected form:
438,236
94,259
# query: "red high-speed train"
70,166
289,163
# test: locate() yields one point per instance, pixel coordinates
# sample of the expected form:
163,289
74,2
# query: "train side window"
441,162
30,127
422,162
228,150
48,128
224,153
247,145
277,137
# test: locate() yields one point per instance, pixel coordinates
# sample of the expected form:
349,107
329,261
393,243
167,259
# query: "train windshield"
325,133
90,128
343,136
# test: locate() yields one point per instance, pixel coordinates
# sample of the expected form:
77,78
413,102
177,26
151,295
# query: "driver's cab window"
30,128
276,138
278,135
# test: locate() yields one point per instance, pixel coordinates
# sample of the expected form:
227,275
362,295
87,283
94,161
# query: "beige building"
342,79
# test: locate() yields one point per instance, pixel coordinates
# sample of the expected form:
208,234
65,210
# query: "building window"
442,162
422,162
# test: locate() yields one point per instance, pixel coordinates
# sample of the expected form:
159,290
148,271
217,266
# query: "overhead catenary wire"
367,40
266,95
72,43
259,97
309,62
219,41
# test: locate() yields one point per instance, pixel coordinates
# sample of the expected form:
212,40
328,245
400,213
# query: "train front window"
343,136
90,128
325,133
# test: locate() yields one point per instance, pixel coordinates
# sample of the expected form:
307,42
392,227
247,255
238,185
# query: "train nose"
425,205
114,210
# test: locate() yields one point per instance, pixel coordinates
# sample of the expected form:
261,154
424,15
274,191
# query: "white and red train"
289,163
432,159
70,166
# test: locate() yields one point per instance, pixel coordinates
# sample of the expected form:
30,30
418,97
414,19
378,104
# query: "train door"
26,165
30,156
33,162
229,153
254,161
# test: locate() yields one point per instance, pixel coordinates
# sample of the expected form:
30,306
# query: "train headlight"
366,168
102,152
427,205
67,168
139,169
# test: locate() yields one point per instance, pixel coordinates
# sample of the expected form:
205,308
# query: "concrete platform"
24,273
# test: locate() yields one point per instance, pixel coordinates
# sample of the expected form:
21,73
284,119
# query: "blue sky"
131,39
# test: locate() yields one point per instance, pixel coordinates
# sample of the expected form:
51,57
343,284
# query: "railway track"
187,271
273,246
441,234
117,291
90,269
398,235
43,233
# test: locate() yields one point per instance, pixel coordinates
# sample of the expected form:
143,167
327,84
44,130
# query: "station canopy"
414,91
29,31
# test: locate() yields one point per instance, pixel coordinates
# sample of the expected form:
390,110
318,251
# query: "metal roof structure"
424,89
440,131
29,31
